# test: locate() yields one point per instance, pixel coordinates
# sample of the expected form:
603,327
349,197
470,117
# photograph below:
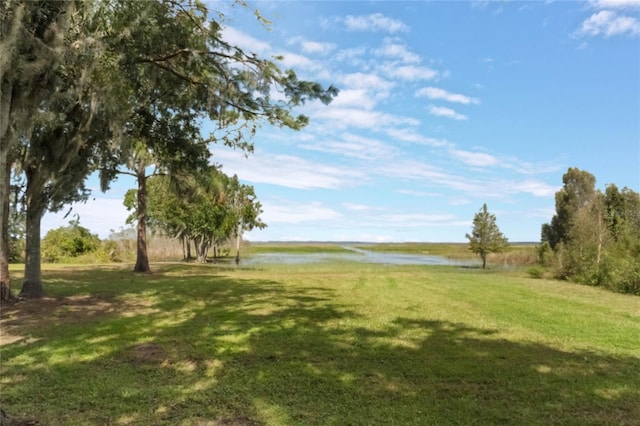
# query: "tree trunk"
484,261
188,249
142,258
238,238
32,285
5,181
201,248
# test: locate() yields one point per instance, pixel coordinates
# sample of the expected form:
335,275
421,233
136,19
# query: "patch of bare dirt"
33,313
149,353
8,420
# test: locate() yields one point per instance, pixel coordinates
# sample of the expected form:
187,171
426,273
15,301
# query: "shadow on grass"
185,346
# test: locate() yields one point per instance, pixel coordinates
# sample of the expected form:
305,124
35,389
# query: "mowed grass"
328,344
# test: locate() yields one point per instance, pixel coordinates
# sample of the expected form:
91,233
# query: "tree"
206,210
485,237
246,210
174,70
596,235
49,106
56,159
578,191
32,46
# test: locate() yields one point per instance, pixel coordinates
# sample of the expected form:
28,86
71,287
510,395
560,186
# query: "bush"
109,251
545,253
536,272
66,242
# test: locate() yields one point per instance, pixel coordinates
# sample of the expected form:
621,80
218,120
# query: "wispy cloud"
438,93
410,72
408,135
312,47
282,211
374,22
478,159
360,207
284,170
615,4
354,117
446,112
355,146
393,48
418,219
377,87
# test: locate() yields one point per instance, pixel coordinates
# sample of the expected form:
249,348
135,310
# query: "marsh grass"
514,255
342,343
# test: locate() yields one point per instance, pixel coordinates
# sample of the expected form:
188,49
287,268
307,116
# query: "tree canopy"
154,70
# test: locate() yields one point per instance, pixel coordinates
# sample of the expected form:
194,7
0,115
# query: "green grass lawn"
331,343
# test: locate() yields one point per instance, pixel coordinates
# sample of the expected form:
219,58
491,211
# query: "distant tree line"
201,211
594,236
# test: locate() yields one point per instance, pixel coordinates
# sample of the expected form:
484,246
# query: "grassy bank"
335,343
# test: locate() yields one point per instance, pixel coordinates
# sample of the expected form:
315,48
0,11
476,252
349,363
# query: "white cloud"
534,187
437,93
410,72
446,112
354,98
393,49
355,146
318,47
100,215
244,41
495,188
417,219
283,170
608,24
313,47
352,56
615,4
371,82
357,207
348,117
293,60
374,22
478,159
294,213
408,135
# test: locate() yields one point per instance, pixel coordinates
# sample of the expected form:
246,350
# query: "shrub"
69,241
536,272
109,251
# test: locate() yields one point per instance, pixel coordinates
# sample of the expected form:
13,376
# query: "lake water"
356,255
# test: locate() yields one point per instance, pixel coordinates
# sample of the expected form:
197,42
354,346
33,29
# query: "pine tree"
485,237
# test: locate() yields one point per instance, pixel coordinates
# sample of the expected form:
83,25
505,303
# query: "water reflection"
356,255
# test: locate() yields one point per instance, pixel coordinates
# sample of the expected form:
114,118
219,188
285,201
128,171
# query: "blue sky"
443,106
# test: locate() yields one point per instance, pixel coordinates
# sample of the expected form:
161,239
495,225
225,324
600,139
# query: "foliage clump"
76,243
594,237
